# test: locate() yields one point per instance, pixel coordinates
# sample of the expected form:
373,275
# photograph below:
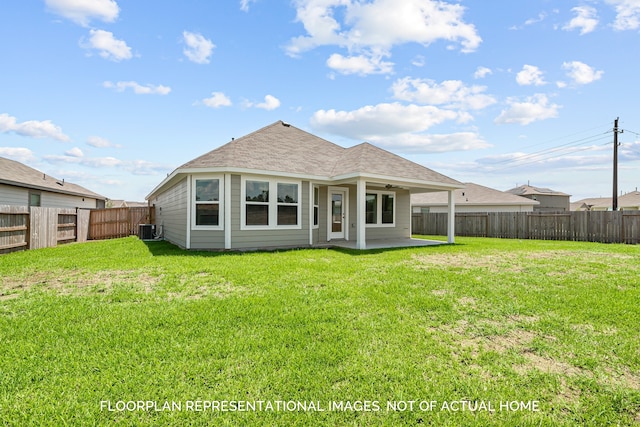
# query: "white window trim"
220,202
379,223
273,203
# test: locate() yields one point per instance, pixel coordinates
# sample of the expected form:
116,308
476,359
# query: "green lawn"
111,332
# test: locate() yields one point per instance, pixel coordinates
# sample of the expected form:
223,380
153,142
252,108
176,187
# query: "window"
270,203
207,209
287,204
316,207
380,209
257,203
34,199
371,202
387,208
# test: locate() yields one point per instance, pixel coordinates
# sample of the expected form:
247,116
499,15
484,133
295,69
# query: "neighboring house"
21,185
116,203
283,187
472,198
626,202
549,200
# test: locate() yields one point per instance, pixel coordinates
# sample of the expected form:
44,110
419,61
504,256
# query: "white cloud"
534,108
74,152
99,142
108,46
432,143
371,29
217,100
628,14
244,5
138,89
83,11
270,103
32,128
541,17
418,61
198,48
453,93
586,20
381,120
359,64
20,154
530,75
581,73
136,167
482,72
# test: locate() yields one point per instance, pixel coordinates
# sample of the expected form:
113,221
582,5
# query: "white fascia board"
394,180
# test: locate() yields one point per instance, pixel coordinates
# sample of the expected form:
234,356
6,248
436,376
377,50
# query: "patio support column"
451,218
361,190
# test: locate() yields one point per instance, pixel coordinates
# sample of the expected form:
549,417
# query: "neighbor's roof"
281,147
529,190
20,175
472,195
628,200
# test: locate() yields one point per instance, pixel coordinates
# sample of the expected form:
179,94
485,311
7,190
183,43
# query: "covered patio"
383,243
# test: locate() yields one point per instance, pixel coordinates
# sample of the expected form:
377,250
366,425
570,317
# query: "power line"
518,162
542,153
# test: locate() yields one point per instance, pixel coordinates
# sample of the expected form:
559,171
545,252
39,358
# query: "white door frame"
345,213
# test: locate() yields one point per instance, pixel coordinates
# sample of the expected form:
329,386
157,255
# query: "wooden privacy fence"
588,226
22,227
117,222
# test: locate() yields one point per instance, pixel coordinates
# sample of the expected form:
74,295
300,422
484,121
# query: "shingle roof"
529,190
472,194
281,147
628,200
18,174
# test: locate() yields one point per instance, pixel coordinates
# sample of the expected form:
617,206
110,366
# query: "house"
21,185
472,198
549,200
626,202
119,203
283,187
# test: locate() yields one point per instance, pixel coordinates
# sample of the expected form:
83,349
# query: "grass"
86,329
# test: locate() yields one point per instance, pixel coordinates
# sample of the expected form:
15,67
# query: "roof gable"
281,147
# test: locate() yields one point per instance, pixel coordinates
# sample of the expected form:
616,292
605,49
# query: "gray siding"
171,213
56,200
207,239
244,239
19,196
13,196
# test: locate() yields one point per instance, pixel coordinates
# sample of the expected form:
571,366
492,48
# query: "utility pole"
614,200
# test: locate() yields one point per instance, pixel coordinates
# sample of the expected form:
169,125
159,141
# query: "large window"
271,203
380,208
287,204
207,201
257,202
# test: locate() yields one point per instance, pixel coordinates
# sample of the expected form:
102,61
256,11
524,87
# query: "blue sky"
113,95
